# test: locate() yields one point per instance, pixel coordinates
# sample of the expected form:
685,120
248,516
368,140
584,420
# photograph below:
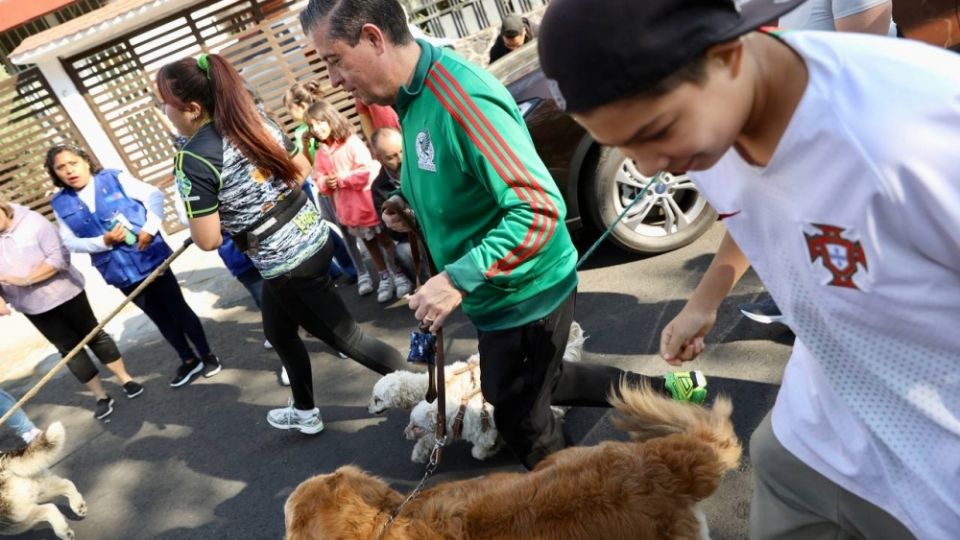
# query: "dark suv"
599,182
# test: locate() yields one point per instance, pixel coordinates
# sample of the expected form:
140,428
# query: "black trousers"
306,297
162,301
66,325
523,373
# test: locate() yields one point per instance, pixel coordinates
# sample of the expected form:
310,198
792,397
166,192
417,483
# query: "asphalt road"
201,462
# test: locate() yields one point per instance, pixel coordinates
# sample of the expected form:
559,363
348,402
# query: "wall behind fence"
31,120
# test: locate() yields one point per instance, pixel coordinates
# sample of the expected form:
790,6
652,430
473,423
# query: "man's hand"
143,240
682,339
435,301
116,235
393,220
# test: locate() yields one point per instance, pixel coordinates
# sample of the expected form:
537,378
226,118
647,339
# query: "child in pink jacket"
344,169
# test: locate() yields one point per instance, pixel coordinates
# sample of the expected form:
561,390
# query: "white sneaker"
385,291
364,285
403,285
290,418
284,378
267,344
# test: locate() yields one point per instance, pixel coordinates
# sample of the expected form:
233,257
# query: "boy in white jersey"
834,157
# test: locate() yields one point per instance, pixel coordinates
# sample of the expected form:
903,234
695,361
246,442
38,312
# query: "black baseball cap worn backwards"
594,52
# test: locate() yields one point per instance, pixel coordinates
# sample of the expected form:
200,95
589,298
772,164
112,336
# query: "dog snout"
376,406
413,432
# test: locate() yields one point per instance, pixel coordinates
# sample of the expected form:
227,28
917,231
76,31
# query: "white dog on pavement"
26,484
404,389
478,426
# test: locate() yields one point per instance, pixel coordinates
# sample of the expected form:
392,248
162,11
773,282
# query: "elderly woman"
36,278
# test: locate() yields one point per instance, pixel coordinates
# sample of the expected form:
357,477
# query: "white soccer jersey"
854,227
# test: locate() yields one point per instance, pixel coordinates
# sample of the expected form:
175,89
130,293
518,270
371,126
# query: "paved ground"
201,463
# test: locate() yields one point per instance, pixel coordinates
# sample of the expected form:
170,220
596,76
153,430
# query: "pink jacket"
355,169
29,241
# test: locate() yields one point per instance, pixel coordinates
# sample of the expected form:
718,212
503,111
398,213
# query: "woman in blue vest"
236,176
116,219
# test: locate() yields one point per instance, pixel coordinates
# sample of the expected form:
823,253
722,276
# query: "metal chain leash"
431,467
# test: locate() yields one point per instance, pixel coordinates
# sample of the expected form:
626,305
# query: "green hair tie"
203,62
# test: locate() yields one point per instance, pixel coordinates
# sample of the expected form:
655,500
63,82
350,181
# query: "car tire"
674,212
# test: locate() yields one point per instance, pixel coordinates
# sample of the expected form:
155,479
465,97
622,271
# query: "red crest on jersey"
841,256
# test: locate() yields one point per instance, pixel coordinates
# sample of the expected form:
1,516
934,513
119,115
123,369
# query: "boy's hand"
116,235
332,181
682,338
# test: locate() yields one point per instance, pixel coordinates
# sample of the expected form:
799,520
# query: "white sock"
307,414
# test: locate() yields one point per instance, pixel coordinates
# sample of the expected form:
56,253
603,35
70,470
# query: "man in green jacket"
491,215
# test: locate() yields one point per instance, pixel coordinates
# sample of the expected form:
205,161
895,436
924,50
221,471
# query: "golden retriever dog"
646,489
26,483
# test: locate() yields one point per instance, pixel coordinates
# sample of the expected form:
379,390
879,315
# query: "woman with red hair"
235,173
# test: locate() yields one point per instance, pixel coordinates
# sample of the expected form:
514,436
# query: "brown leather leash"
436,387
436,384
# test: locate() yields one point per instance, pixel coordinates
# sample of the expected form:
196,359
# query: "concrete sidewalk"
207,286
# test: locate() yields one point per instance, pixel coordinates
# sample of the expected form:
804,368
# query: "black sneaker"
132,389
104,408
765,311
185,373
211,365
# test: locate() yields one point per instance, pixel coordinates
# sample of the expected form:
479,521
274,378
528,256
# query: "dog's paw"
65,534
560,413
81,509
482,452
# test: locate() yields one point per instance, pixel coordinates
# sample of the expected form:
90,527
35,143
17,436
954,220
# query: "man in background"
514,32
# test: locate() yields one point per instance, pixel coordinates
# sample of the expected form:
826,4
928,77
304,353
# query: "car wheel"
671,214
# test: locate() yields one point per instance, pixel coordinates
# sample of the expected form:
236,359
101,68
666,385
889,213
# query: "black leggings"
523,373
66,325
306,297
162,301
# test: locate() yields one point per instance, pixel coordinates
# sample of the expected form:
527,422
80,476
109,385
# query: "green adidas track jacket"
491,214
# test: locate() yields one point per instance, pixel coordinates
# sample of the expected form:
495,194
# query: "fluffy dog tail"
574,349
707,445
38,455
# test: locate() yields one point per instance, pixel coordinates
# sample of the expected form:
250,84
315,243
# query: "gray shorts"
791,501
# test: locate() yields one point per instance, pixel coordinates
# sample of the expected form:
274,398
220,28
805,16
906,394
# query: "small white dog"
26,482
478,425
403,389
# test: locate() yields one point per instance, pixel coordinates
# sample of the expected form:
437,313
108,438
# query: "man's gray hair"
347,18
379,134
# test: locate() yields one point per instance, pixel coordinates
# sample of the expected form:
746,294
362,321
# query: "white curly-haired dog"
403,389
478,426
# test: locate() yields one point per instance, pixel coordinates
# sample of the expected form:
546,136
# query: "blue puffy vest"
123,265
